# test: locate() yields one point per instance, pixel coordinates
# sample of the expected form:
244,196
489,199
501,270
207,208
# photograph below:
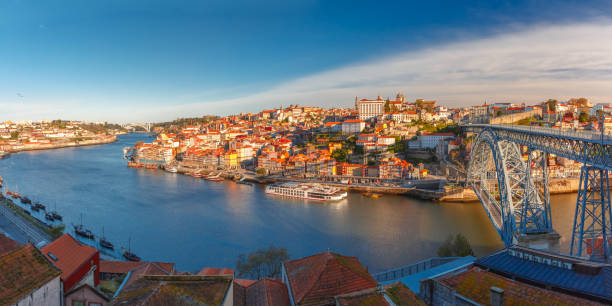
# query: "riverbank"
22,224
50,146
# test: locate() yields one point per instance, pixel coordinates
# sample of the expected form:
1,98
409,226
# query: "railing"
560,132
411,269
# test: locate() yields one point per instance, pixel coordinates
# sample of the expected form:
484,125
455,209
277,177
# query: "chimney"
497,296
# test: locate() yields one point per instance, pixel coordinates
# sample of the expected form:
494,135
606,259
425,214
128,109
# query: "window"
78,303
95,304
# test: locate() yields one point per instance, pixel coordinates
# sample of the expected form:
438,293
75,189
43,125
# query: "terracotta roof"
244,282
23,270
475,284
216,271
70,254
371,298
315,280
267,292
8,245
402,295
118,267
174,290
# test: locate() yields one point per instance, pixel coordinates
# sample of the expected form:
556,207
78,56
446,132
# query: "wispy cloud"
528,65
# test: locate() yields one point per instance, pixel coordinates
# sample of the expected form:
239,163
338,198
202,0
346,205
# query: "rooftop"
174,290
23,270
475,284
8,245
68,254
317,279
570,274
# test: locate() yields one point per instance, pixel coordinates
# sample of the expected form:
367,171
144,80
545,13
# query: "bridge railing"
561,132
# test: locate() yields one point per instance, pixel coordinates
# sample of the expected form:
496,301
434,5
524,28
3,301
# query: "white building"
352,126
369,109
429,141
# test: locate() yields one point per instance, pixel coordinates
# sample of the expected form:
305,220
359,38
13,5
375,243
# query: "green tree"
455,246
14,135
262,263
339,155
499,113
387,107
552,105
583,117
261,171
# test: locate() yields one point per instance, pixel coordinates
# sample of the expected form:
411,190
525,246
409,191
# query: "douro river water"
196,223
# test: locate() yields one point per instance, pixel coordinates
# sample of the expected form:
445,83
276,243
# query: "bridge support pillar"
542,241
592,232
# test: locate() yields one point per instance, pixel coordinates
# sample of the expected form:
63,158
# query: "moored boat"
215,179
49,217
134,165
83,232
26,200
151,167
105,243
56,216
127,254
172,169
316,192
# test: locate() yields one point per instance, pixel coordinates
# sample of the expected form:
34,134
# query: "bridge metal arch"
504,183
487,168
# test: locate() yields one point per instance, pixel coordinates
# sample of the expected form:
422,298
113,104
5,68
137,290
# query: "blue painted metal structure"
592,230
592,219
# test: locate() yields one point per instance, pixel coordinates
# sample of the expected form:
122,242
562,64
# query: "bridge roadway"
587,147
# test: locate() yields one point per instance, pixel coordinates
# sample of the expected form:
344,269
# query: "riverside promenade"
20,229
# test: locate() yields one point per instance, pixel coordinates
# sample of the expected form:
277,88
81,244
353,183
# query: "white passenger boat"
307,191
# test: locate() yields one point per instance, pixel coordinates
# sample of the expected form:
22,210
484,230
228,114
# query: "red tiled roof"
23,270
371,298
267,292
244,282
315,280
118,267
216,271
70,254
475,284
8,245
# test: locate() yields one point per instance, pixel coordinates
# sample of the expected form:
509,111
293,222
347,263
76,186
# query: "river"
196,223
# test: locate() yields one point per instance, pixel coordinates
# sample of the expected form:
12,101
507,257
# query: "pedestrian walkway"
30,231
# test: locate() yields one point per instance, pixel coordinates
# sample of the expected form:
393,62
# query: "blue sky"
156,60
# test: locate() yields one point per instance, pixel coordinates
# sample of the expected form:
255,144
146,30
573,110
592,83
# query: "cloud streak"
529,65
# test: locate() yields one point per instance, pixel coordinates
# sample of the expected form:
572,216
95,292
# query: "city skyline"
122,63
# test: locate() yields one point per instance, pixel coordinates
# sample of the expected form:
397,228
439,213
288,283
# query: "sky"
150,61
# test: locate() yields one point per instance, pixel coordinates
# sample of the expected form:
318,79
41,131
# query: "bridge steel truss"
518,206
506,187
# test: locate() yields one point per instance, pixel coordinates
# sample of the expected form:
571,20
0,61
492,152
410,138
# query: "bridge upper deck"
589,147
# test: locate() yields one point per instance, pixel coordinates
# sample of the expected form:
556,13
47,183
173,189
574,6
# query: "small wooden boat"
372,195
83,232
39,206
105,243
151,167
134,165
26,200
128,254
56,216
215,179
49,217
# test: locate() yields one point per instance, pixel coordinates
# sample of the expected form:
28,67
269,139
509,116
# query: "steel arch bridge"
513,189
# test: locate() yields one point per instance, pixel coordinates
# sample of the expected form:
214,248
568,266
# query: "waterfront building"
27,277
79,263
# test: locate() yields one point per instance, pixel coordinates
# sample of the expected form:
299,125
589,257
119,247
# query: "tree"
262,263
339,155
457,246
14,135
583,117
387,107
499,113
261,171
552,105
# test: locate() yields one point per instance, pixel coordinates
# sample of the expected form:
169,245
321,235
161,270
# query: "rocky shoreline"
51,146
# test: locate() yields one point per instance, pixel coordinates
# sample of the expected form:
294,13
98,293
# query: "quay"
22,229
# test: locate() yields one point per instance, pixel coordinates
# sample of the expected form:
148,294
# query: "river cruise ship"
311,191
